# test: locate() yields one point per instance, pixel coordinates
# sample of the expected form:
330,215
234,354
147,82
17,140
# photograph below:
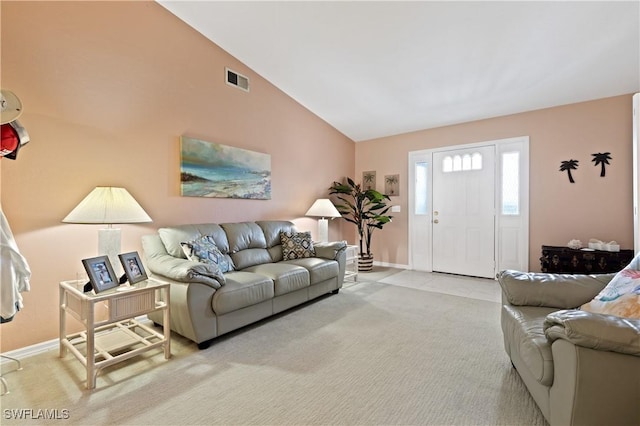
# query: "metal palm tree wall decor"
601,158
567,166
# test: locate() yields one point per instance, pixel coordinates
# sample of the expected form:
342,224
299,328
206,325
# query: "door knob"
435,221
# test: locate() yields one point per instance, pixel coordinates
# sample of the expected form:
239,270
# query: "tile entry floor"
455,285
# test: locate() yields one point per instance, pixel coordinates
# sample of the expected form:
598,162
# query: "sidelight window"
420,196
510,183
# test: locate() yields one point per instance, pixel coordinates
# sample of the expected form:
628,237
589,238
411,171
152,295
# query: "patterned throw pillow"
296,245
621,297
204,250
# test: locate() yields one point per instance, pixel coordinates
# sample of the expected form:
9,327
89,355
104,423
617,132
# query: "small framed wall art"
133,268
369,180
391,185
100,272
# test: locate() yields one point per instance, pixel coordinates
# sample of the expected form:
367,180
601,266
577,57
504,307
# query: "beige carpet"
375,354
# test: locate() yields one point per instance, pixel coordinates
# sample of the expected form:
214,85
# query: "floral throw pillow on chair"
621,297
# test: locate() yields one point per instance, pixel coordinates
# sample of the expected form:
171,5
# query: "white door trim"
516,227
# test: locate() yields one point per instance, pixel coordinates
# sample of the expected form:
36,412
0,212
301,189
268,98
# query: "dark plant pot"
365,263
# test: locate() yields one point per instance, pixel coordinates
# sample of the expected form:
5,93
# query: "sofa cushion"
272,229
244,235
523,328
250,257
296,245
621,297
286,277
242,289
172,237
205,250
319,269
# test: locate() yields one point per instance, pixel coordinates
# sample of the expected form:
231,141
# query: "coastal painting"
213,170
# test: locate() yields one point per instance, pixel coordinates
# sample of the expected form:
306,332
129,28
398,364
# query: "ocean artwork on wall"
213,170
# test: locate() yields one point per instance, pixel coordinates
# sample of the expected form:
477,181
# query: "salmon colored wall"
108,88
592,207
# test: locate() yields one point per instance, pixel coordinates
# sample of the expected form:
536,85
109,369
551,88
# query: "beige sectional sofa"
581,368
207,302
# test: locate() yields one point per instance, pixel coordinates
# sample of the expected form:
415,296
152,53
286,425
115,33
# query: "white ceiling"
374,69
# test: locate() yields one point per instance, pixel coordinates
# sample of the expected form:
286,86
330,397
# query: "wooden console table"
566,260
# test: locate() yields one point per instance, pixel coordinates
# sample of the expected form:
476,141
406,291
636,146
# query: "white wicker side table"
120,336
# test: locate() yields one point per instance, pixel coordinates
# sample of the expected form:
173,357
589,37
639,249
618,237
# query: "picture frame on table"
133,267
100,272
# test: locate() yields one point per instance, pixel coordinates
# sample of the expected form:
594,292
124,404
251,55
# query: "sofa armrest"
160,262
330,250
186,271
594,331
563,291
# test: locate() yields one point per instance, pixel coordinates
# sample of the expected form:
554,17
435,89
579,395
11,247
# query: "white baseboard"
39,348
32,350
390,265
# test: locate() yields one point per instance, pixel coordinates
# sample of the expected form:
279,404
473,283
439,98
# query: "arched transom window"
462,163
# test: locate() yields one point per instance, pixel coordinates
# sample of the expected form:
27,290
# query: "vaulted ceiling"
375,69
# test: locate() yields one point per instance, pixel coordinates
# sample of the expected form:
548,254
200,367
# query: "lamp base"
109,244
323,230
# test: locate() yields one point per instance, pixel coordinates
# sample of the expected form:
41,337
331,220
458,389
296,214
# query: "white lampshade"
107,204
323,207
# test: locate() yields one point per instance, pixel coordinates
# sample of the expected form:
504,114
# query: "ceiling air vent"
237,80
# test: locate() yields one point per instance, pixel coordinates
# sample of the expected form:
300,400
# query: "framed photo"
132,266
100,273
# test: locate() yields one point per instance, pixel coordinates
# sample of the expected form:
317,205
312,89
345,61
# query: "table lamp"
108,205
323,208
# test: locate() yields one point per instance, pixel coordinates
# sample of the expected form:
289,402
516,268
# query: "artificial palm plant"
366,208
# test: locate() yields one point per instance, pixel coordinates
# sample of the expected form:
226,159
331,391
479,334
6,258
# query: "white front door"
463,213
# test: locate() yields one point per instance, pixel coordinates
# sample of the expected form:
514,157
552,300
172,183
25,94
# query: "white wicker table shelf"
119,336
351,272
